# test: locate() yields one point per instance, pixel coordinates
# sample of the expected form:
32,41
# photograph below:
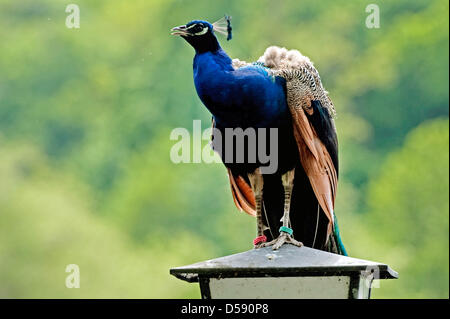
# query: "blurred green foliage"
85,118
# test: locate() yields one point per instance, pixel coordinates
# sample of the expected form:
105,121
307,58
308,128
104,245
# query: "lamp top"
289,260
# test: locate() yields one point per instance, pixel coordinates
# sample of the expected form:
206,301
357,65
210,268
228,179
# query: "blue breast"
246,97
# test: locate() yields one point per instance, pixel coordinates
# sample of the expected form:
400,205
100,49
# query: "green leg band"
287,230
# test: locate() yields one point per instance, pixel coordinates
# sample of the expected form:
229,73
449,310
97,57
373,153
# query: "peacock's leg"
286,232
257,183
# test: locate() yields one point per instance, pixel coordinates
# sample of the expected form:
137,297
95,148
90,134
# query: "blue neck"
211,75
205,43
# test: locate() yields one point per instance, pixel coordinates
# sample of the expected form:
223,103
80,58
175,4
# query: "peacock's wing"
312,114
243,195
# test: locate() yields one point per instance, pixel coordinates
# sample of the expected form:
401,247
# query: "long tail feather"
340,249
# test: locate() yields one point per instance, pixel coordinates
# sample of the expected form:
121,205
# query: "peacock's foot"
284,238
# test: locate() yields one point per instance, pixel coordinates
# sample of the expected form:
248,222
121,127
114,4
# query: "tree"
408,213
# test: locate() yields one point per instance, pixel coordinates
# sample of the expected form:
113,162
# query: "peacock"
281,93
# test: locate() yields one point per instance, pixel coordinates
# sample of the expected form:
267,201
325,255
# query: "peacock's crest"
223,26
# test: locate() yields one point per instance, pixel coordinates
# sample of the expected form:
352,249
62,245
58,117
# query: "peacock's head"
200,34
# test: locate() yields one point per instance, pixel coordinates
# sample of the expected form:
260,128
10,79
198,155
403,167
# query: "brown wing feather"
243,196
316,162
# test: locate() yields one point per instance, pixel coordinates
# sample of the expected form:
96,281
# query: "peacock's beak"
180,30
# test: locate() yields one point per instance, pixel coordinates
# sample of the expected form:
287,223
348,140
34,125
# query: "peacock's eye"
198,29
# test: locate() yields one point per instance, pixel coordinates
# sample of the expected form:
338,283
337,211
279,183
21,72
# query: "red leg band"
259,239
